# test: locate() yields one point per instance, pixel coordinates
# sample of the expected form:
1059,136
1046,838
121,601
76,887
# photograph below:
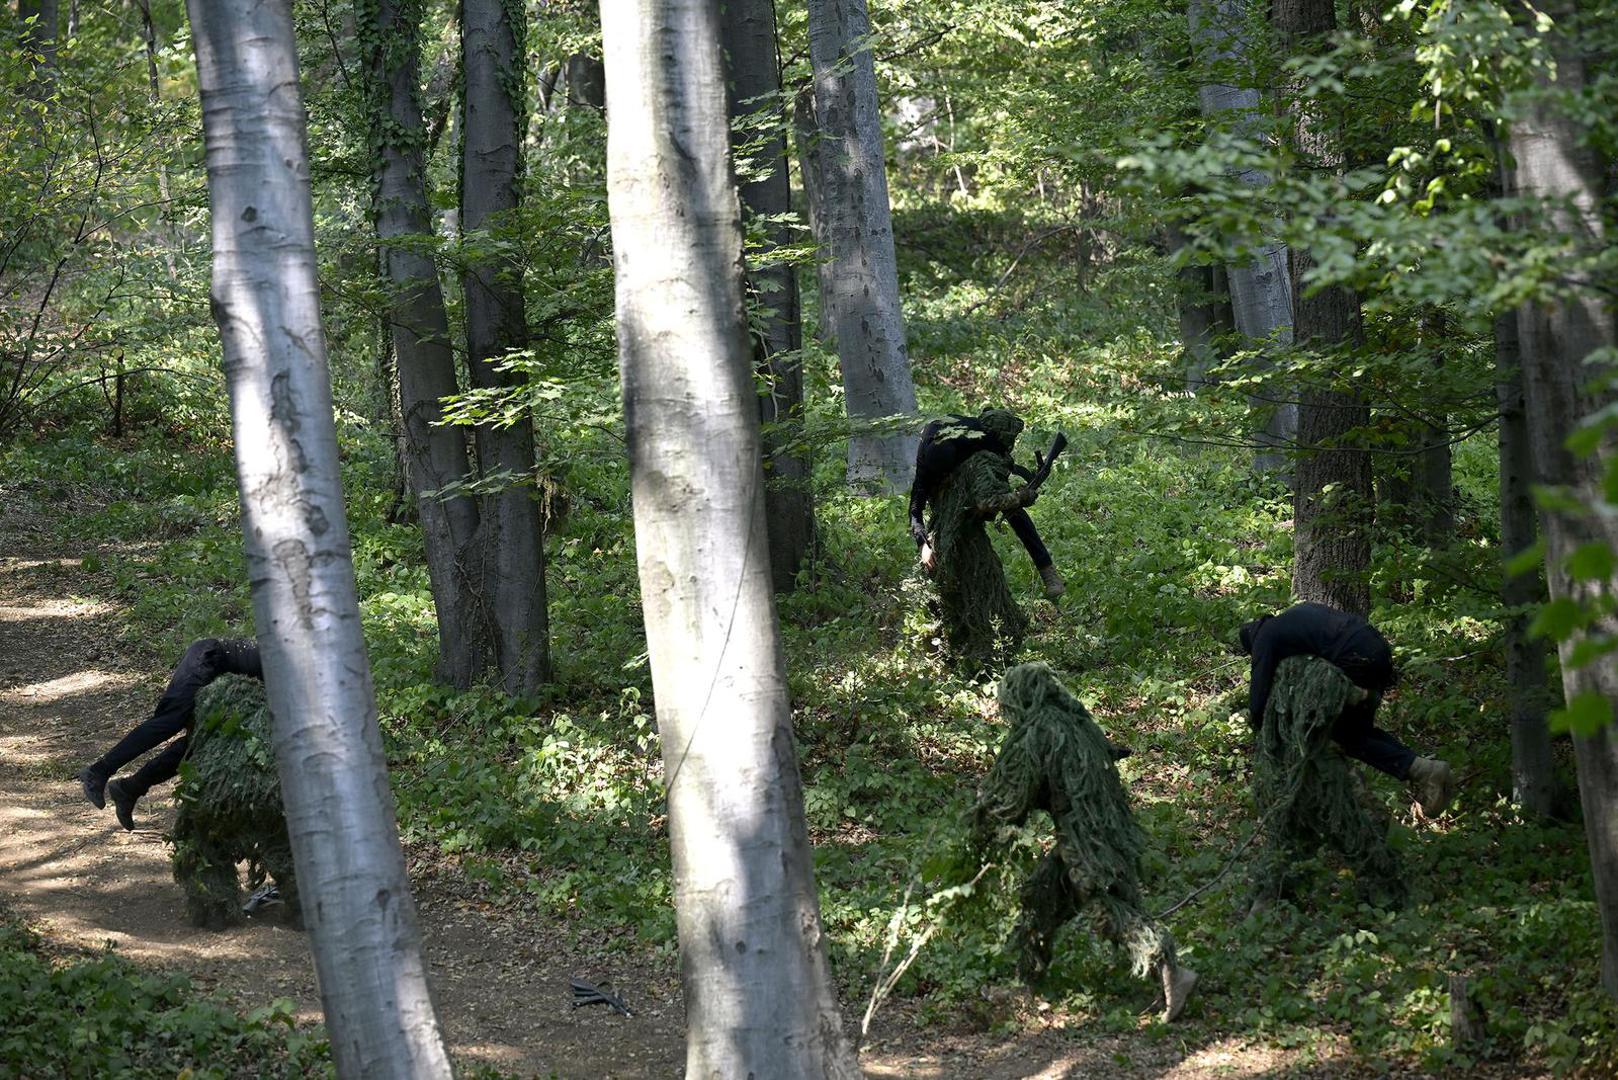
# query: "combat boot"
1433,783
1054,586
1177,983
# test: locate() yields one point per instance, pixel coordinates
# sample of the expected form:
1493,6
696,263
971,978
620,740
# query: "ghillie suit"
230,807
1307,793
981,619
1055,758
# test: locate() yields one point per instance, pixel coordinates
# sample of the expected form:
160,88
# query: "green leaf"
1557,620
1527,560
1585,715
1591,562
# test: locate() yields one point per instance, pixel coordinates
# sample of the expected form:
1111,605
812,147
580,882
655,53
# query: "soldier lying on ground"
203,662
1357,649
1056,759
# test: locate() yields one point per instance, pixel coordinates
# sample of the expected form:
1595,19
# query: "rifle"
1042,464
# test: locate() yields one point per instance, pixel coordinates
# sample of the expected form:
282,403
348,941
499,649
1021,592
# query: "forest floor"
68,689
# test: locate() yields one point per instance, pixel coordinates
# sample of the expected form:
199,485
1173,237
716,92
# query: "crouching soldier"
1055,758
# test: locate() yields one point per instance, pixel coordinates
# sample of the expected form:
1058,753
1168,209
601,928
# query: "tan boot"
1177,983
1433,783
1054,586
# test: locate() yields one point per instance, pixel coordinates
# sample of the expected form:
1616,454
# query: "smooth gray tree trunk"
1334,497
860,283
754,84
334,783
491,161
1554,164
1261,288
1533,777
435,455
758,993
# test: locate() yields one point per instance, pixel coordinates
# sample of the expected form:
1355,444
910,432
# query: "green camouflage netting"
1056,759
230,806
982,622
1307,793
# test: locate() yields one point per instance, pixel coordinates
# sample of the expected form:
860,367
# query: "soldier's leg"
197,668
1047,903
1023,526
126,791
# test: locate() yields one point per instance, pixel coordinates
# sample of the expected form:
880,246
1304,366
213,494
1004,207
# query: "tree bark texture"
1533,779
754,84
860,285
491,160
1333,497
1261,288
759,998
1553,164
355,896
435,455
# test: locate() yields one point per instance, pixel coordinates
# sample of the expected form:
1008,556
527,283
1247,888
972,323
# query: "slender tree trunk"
1554,164
491,159
1333,497
1533,777
435,455
334,784
860,286
759,997
1260,288
754,83
806,138
164,191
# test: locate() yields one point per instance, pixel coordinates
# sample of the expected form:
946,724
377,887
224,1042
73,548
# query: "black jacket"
1345,639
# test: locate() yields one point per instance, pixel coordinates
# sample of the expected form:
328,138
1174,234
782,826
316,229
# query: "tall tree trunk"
754,84
759,997
1333,496
1554,164
334,784
491,158
39,39
1203,304
1533,778
806,139
1260,288
860,286
435,455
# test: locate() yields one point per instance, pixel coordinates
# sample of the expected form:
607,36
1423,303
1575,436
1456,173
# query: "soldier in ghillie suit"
1307,793
1055,758
945,444
980,615
1357,649
230,807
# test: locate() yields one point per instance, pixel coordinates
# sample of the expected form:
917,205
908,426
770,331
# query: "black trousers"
1023,526
202,663
1368,660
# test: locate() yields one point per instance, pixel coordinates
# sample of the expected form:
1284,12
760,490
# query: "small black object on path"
589,994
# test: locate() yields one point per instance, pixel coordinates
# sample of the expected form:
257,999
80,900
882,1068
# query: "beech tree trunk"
758,992
1533,778
513,551
334,784
754,83
1554,164
435,455
860,282
1261,288
1333,498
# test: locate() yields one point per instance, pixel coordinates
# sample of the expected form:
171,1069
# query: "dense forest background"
1092,205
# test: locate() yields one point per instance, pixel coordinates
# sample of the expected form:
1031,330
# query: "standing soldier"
1055,758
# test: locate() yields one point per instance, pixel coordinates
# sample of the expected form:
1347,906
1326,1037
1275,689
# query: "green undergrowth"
555,801
101,1016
